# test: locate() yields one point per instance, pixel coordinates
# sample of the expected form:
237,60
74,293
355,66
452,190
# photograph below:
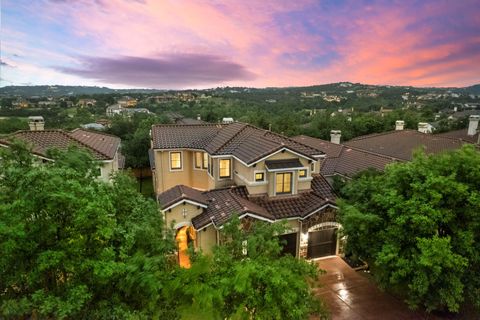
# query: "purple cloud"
166,71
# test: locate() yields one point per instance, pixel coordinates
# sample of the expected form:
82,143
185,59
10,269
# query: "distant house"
117,109
103,147
82,103
93,126
20,104
127,102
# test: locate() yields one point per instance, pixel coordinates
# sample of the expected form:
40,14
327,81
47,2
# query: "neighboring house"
375,151
117,109
94,126
127,102
204,174
103,147
86,103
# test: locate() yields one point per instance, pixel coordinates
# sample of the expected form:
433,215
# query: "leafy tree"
246,278
418,225
75,247
10,125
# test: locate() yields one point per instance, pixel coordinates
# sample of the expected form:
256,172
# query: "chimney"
473,125
335,136
423,127
36,123
399,124
199,117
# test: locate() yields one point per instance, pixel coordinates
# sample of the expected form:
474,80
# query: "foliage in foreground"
247,278
73,247
418,225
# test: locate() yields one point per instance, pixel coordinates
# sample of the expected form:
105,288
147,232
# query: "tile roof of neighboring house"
223,203
401,144
460,134
102,146
244,141
329,148
346,160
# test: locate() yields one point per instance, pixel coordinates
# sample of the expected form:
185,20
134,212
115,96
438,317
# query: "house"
117,109
82,103
127,102
103,147
376,151
204,174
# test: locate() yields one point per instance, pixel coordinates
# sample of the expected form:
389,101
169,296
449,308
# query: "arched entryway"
185,237
323,240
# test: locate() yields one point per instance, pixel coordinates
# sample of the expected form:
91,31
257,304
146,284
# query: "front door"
322,243
184,237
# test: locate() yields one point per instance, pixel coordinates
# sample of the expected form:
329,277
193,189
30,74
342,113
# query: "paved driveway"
351,296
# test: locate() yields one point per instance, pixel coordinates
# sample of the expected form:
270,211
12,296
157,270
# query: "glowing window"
224,168
283,183
260,176
302,173
175,160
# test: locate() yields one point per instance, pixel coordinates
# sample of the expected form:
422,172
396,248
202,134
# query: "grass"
147,187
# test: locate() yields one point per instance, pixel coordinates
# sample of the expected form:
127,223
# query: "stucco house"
103,147
203,174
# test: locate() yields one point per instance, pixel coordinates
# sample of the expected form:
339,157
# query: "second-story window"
259,176
224,167
198,160
302,173
205,160
175,160
283,183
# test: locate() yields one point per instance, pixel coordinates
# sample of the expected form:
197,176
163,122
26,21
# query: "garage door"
322,243
289,243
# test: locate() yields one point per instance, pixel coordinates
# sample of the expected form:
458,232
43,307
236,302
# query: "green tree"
74,247
246,278
418,226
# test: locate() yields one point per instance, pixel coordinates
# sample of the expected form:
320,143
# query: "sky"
181,44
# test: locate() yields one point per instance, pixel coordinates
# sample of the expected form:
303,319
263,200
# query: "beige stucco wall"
174,217
207,239
107,168
166,178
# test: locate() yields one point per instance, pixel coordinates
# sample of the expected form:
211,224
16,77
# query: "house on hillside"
377,150
204,174
103,147
127,102
82,103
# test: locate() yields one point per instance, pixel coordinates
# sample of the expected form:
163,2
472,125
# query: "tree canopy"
75,247
418,226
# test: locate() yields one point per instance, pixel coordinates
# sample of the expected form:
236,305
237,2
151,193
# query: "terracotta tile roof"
402,143
330,149
179,193
346,160
460,134
244,141
223,203
101,146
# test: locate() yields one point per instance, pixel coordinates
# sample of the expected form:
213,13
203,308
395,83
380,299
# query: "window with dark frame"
302,173
259,176
175,160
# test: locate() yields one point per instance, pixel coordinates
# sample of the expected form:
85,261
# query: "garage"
289,243
322,243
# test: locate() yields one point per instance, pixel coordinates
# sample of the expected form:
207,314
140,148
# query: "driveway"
351,296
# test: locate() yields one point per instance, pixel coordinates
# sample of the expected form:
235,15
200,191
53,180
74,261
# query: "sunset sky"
208,43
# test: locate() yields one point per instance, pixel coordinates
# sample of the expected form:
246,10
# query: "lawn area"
145,186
